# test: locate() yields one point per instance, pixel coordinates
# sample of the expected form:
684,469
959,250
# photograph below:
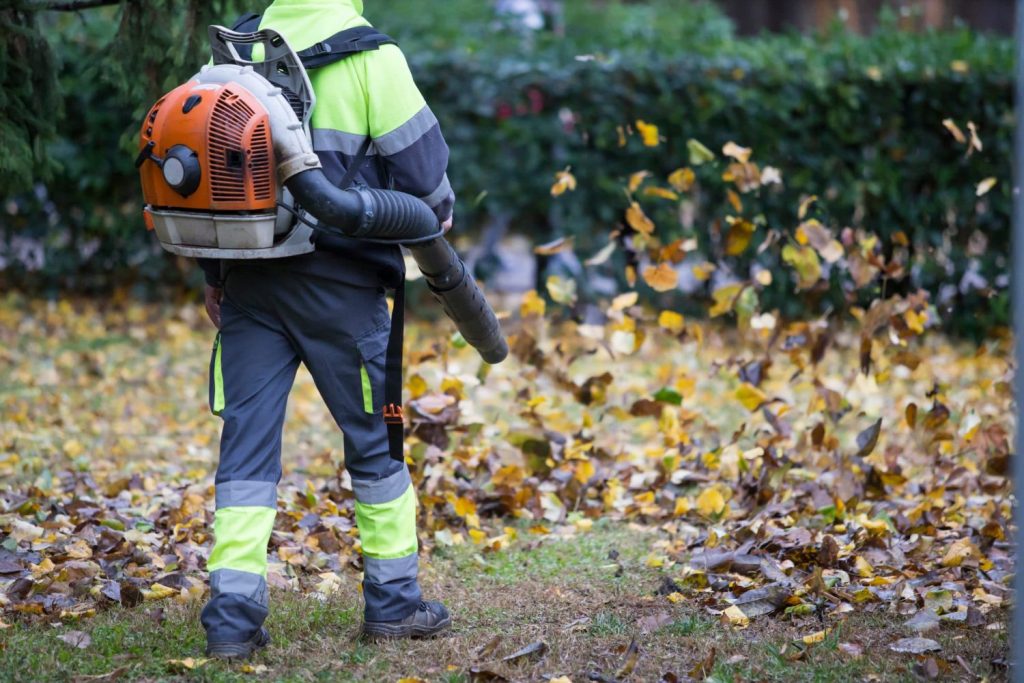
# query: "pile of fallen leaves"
783,477
807,467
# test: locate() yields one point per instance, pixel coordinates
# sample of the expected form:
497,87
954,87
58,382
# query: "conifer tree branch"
70,5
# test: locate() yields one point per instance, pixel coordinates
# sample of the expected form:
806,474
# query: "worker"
327,310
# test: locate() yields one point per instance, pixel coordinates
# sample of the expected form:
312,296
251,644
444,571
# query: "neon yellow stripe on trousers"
241,535
218,379
388,530
367,389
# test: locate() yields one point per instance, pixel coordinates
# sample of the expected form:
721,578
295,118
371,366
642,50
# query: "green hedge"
856,121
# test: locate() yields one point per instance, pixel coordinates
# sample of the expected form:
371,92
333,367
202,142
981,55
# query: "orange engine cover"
229,130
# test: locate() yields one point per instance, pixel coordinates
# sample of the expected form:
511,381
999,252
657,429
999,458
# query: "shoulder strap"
357,164
343,44
334,49
394,416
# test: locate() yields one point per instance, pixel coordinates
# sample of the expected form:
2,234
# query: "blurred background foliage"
854,119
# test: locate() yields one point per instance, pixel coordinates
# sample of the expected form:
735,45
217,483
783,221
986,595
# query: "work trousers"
271,320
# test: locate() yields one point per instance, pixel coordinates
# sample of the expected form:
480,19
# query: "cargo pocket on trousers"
217,401
372,347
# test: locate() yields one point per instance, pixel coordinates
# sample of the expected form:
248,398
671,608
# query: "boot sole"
237,651
390,631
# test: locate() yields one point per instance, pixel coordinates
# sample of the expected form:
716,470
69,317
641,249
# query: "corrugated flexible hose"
401,218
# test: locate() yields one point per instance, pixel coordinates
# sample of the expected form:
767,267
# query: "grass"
568,593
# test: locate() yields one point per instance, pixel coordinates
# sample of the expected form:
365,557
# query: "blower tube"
395,216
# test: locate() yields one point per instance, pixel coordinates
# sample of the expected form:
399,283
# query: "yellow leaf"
960,550
73,448
189,663
817,637
738,238
916,321
702,271
631,276
636,180
699,154
725,299
750,396
985,185
561,290
464,506
649,133
682,179
653,561
675,597
661,278
671,321
734,616
955,131
734,200
638,220
624,301
710,502
253,669
740,154
478,536
584,471
764,277
564,181
418,386
532,304
682,506
661,193
805,261
863,567
158,591
805,205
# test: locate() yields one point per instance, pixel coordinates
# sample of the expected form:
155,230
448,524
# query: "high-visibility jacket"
367,95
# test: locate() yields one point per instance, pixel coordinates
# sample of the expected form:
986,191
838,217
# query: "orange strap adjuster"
393,414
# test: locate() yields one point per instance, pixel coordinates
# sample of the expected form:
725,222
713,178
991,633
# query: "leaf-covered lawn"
754,502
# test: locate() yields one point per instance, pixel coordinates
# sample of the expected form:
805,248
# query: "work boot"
236,650
430,619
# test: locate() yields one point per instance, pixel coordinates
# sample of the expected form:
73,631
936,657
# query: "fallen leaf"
78,639
915,646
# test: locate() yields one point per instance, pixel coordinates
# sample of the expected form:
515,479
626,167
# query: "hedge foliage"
856,121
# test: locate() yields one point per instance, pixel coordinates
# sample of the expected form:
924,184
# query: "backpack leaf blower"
229,172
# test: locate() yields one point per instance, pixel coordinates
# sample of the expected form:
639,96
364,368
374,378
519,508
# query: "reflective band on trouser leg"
386,515
238,562
241,535
364,376
218,377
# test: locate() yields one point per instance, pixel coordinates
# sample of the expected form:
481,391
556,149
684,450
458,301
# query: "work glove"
213,296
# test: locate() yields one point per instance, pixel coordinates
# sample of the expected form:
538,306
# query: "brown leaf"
661,278
531,651
488,648
632,657
828,553
704,667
